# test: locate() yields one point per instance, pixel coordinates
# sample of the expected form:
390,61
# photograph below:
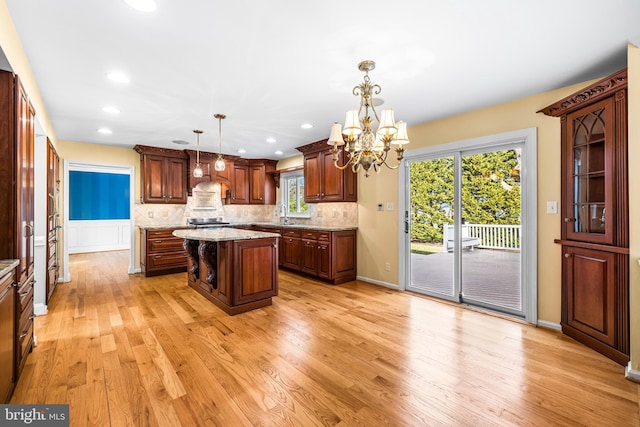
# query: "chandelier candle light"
219,164
363,147
197,171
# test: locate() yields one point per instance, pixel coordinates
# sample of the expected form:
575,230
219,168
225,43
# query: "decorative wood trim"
315,146
594,246
145,149
600,89
276,174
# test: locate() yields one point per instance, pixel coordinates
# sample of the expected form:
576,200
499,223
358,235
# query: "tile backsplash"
321,214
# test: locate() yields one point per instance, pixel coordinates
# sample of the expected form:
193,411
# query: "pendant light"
197,171
219,164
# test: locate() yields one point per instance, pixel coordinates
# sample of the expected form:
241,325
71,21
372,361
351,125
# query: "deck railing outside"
491,236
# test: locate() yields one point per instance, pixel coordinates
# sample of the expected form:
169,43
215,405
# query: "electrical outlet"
387,266
389,206
380,206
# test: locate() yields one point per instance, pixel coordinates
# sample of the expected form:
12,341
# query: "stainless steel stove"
206,222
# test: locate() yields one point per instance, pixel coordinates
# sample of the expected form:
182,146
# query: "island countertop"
221,234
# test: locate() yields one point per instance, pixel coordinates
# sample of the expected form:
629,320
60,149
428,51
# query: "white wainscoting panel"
97,236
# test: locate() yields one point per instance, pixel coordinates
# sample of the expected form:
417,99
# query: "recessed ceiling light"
105,131
241,150
142,5
118,77
278,152
271,140
111,110
306,126
180,142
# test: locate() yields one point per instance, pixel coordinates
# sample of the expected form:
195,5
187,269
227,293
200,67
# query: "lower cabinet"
595,305
236,275
328,255
161,252
7,335
24,322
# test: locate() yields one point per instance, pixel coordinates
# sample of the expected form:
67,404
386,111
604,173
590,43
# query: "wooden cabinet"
251,182
595,218
236,275
7,335
161,252
53,219
328,255
309,252
17,135
164,175
323,181
291,248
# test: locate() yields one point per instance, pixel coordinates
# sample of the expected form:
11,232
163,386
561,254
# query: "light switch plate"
552,207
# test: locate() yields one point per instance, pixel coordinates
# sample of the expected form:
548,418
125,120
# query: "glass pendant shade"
197,171
219,164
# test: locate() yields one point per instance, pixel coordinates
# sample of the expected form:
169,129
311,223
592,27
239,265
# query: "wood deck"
124,350
490,276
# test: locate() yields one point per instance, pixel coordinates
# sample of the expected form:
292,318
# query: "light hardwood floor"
128,350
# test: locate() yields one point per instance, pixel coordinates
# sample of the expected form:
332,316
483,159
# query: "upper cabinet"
323,181
164,175
594,162
251,182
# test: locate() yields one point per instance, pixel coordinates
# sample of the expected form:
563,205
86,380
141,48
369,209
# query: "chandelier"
197,171
219,164
363,147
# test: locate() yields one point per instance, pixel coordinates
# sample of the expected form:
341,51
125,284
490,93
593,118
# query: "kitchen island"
235,269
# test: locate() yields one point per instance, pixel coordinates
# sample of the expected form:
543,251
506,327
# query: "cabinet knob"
567,255
569,220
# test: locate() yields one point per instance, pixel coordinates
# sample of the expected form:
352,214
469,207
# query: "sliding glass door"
464,227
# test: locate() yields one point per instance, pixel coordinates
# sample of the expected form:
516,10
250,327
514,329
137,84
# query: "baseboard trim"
378,282
39,309
631,374
549,325
135,270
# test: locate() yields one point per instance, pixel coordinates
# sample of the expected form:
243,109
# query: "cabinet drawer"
324,235
5,282
25,295
167,260
290,233
164,244
309,234
25,340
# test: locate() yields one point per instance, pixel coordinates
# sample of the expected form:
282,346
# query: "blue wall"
97,196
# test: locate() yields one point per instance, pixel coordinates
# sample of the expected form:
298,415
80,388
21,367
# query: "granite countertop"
160,226
6,265
221,234
305,226
259,224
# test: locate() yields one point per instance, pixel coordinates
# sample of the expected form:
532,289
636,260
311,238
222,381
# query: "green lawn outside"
425,248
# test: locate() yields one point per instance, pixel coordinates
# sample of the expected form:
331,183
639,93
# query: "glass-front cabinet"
589,205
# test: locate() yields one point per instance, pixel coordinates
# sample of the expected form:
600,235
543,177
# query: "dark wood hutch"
595,215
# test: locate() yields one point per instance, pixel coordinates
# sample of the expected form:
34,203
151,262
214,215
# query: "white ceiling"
272,65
